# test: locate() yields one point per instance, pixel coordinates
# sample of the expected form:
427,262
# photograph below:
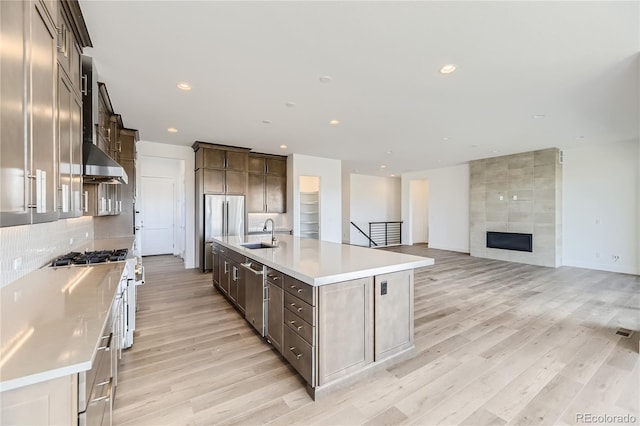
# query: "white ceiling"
576,63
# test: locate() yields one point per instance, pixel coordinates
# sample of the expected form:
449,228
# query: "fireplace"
510,241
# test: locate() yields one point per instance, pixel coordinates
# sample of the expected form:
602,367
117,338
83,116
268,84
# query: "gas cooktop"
91,257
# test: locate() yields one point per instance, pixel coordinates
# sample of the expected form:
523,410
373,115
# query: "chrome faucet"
274,241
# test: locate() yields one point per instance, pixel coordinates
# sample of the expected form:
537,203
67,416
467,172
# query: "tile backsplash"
26,248
256,221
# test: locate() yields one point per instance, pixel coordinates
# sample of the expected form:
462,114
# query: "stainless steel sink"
254,246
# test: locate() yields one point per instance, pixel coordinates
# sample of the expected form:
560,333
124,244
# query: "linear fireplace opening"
510,241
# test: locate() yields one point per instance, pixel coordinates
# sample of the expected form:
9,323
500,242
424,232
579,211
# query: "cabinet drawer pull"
108,345
84,84
106,396
293,305
298,356
293,323
293,287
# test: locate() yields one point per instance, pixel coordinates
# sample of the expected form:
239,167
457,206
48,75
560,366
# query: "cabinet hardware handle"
293,305
59,30
108,345
293,323
248,267
107,396
226,270
298,356
293,287
84,81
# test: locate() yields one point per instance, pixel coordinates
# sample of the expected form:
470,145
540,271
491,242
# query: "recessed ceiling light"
326,79
172,130
266,121
283,146
474,146
334,122
445,139
389,152
184,86
392,175
447,69
538,116
290,104
383,166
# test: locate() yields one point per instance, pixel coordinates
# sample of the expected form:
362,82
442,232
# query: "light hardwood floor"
496,343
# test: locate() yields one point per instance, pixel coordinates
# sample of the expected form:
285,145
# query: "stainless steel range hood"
98,167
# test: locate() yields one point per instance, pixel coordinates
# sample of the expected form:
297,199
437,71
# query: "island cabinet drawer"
299,307
299,354
299,326
302,290
275,277
237,257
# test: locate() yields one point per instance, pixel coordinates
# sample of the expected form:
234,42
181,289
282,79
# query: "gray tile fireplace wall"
518,193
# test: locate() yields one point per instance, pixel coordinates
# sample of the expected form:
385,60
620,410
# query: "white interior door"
157,215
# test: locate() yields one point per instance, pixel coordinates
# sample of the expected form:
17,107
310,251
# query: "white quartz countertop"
317,262
51,319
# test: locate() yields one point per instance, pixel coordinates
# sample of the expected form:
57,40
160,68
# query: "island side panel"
345,328
393,313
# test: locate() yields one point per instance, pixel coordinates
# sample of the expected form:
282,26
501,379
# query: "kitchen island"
335,312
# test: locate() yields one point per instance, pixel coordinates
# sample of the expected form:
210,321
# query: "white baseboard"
620,268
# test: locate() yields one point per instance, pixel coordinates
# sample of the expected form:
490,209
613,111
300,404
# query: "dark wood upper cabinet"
276,166
256,164
213,158
256,193
267,184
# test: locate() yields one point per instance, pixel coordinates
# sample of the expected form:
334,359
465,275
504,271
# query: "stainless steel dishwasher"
256,301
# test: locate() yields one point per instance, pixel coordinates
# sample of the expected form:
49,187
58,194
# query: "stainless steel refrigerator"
223,215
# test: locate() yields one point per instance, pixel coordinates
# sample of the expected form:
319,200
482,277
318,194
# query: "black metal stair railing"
382,233
366,236
385,233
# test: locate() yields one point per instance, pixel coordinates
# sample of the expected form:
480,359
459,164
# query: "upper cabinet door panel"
14,187
256,165
237,161
276,194
76,157
213,181
43,144
276,166
65,97
236,182
213,158
255,193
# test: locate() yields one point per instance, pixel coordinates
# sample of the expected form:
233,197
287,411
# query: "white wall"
448,207
186,186
601,207
372,199
419,210
330,173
